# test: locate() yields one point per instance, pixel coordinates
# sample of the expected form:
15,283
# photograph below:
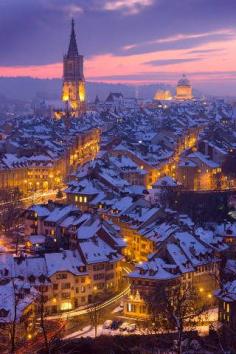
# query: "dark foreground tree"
11,208
175,309
95,313
13,321
229,165
51,330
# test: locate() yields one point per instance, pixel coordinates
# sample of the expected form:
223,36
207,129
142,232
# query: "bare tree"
11,208
42,314
175,309
223,332
17,294
51,330
95,312
12,318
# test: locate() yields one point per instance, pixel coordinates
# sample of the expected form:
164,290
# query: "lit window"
65,306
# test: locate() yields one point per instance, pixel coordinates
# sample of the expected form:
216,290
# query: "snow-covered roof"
165,181
10,301
95,250
228,292
156,269
59,213
66,261
203,158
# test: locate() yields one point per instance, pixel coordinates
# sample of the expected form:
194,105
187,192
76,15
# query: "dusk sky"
128,41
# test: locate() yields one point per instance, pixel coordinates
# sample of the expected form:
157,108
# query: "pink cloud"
129,7
108,64
49,71
179,37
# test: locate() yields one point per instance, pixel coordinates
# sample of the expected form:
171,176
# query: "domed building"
163,95
184,89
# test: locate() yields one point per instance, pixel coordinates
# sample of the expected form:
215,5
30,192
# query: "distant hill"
26,88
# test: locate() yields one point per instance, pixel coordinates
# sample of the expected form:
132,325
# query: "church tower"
73,90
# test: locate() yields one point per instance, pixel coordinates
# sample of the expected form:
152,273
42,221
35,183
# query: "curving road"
37,197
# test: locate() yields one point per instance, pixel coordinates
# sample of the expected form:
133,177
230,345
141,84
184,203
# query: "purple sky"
135,41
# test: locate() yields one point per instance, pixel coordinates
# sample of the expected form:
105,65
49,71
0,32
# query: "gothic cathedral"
73,90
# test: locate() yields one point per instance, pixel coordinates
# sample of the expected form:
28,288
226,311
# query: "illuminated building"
153,171
132,219
227,305
163,95
91,266
138,246
176,263
41,173
147,174
184,89
198,172
73,90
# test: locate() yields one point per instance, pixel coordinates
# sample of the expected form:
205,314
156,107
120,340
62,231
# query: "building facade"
88,268
183,259
163,95
43,173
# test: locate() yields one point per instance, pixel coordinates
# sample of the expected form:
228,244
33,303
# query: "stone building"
182,258
73,90
163,95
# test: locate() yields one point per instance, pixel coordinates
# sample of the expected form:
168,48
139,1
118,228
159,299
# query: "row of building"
74,252
189,142
36,154
168,249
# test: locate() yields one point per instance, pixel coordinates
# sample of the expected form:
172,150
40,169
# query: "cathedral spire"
73,90
72,50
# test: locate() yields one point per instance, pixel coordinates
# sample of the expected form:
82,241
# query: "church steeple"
72,50
73,90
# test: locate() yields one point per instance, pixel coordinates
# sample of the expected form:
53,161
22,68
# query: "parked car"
107,324
131,328
116,324
124,326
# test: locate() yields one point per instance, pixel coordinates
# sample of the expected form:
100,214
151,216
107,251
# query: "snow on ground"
80,333
117,309
210,316
206,319
88,331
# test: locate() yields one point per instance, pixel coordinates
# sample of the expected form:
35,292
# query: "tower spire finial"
72,50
